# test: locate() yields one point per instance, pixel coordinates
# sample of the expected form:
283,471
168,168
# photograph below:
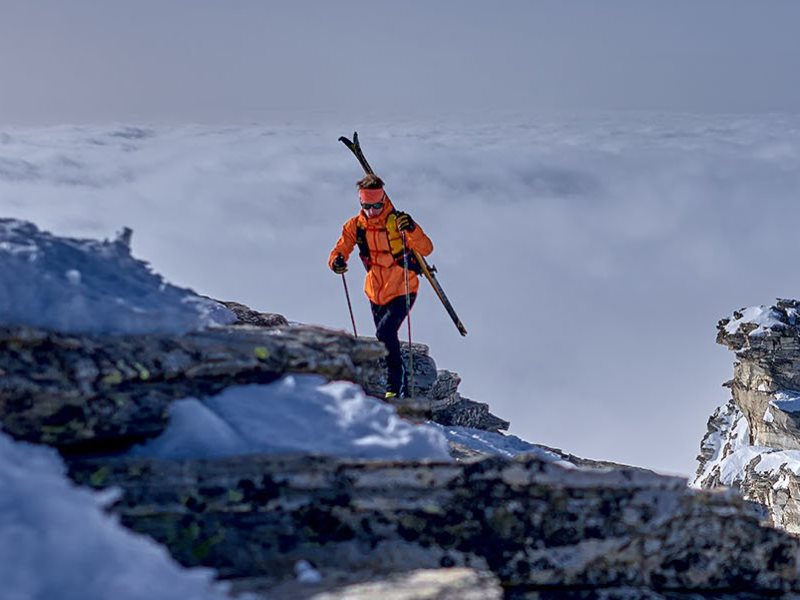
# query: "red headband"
371,196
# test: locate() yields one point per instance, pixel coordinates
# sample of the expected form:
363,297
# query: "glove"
405,222
339,264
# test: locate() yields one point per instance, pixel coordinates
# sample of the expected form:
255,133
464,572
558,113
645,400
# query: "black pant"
388,318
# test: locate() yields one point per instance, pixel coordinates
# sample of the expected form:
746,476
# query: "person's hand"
339,264
405,222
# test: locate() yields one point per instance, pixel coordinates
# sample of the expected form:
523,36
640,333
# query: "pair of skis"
427,270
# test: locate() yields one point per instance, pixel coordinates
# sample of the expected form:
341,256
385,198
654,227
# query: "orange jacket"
385,279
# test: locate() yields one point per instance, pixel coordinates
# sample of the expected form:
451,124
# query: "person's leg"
388,319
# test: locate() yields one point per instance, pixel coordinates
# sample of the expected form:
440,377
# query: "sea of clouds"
589,256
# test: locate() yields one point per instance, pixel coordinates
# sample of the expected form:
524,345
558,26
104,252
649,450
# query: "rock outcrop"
753,442
546,525
247,316
97,393
93,393
538,526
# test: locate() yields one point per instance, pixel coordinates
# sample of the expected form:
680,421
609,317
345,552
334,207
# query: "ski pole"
349,306
408,318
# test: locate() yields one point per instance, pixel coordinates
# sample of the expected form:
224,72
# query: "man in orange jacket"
378,231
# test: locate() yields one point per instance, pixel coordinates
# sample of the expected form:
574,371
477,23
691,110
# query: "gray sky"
202,60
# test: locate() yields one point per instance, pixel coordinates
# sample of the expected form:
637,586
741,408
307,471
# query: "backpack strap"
396,244
363,246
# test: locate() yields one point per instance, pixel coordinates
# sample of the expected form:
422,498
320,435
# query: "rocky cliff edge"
753,441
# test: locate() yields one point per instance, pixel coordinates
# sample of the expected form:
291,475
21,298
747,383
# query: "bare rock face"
96,393
753,442
435,394
248,316
537,526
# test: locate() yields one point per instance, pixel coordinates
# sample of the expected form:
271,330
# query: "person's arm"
417,240
345,243
415,237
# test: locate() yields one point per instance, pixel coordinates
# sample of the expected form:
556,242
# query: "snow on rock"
306,573
787,401
487,442
91,286
733,460
57,542
765,317
728,433
298,413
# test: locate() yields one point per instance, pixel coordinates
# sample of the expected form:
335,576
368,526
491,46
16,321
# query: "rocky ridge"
93,393
541,526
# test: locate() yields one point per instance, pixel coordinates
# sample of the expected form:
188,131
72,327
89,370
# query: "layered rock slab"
435,394
93,393
536,525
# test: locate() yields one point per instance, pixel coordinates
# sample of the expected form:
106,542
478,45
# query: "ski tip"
344,140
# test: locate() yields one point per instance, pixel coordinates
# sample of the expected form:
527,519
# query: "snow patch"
59,543
499,444
787,401
768,418
306,573
730,434
90,286
733,453
782,483
763,316
300,413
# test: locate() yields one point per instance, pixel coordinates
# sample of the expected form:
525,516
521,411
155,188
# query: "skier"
378,231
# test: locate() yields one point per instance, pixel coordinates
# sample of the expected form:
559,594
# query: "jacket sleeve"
417,240
346,242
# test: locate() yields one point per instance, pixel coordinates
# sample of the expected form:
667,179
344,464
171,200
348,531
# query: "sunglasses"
375,205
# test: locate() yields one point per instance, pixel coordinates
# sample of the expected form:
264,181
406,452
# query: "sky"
602,181
212,61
